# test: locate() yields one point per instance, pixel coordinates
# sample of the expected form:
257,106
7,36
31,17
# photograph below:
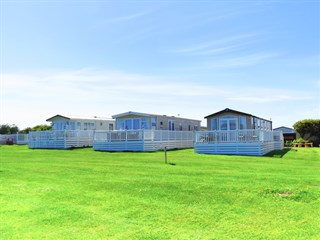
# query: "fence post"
165,155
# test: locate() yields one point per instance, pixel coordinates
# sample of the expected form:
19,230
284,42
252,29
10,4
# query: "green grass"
83,194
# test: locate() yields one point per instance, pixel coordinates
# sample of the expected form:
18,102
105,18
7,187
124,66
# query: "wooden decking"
250,149
241,142
141,140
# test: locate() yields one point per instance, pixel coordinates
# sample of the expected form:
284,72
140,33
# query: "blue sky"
187,58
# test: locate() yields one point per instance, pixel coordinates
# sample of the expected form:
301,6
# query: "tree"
8,129
41,128
309,130
26,130
36,128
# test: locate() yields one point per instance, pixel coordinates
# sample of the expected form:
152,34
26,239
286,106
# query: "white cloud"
30,98
229,52
124,18
234,62
129,17
221,45
268,98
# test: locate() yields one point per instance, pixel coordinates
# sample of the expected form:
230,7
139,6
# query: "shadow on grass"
278,153
173,164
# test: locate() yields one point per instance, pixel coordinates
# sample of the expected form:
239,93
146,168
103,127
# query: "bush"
309,130
36,128
299,140
288,143
8,129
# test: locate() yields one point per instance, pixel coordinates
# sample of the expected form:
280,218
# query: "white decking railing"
5,137
243,142
142,140
142,135
17,138
239,136
60,139
22,138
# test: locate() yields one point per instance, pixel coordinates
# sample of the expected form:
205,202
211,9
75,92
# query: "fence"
142,135
18,138
142,140
60,139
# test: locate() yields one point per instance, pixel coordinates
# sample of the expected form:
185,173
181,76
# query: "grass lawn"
83,194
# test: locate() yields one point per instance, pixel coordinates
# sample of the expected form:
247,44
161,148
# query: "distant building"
136,121
59,122
289,134
203,128
69,132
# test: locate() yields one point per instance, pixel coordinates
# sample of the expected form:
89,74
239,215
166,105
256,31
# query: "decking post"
65,138
77,136
142,135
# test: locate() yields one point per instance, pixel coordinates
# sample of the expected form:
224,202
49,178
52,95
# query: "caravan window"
136,123
243,122
153,122
171,125
120,124
145,123
214,124
128,124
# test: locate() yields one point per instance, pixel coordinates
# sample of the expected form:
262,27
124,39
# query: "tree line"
13,129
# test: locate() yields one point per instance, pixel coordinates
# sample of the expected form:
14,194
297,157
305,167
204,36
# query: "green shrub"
299,140
36,128
288,143
309,129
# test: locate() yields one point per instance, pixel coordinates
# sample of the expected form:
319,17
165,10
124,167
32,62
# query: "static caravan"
136,121
233,132
147,132
69,132
59,122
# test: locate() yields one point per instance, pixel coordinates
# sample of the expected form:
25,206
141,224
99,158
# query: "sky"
182,58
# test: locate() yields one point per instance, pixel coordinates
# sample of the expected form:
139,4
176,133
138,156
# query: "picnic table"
306,144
